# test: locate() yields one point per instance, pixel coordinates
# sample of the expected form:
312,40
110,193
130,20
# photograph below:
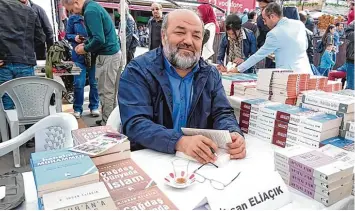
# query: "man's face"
269,21
340,27
74,8
182,41
262,5
156,11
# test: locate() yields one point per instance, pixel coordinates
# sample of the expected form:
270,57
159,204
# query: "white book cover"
338,153
83,197
220,137
222,157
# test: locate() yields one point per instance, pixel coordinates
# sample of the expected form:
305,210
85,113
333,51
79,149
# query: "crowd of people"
173,85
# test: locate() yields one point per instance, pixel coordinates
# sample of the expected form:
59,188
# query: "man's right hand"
221,68
1,63
197,147
77,39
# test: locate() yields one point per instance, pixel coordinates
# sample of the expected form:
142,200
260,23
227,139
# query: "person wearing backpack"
349,34
102,41
76,34
238,44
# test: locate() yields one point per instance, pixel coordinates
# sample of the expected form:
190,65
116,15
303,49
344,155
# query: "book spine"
300,166
278,141
281,126
310,124
245,106
282,116
317,108
302,189
306,183
268,112
325,103
101,204
302,141
262,128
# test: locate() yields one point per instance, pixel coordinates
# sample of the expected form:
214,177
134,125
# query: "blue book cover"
58,165
282,107
338,142
255,101
323,118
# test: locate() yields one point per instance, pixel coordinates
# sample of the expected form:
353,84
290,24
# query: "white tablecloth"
260,157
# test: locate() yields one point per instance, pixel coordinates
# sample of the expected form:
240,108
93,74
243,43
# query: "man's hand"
77,39
238,61
1,63
79,49
234,70
221,68
237,147
197,147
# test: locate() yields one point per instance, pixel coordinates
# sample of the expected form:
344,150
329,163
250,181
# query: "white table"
158,165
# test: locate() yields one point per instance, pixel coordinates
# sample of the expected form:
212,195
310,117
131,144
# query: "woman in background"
207,15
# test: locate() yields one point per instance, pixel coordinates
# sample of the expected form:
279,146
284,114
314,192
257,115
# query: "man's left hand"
237,148
79,49
234,70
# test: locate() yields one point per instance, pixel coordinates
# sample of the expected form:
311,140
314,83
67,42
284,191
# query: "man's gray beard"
180,62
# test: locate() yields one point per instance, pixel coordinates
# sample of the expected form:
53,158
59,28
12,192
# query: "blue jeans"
79,84
11,71
350,75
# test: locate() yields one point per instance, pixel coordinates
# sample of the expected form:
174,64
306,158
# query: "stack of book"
330,103
131,188
315,174
333,86
293,125
282,85
340,155
245,89
339,142
85,137
58,170
317,82
230,80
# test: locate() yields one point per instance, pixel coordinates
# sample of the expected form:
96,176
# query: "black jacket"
47,29
263,30
349,33
20,31
310,49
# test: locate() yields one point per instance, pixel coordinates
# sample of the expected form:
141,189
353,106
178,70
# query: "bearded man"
172,87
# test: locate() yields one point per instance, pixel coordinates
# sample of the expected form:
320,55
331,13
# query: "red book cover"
149,199
281,125
281,142
124,178
245,106
83,135
282,116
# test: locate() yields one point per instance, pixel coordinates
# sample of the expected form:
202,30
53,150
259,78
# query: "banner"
236,5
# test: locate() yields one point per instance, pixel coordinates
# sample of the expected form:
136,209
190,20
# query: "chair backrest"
32,96
57,129
114,120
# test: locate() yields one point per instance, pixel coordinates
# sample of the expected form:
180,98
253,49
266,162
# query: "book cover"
100,144
285,154
67,169
88,197
109,158
83,135
321,122
123,178
149,199
338,142
338,153
332,101
350,126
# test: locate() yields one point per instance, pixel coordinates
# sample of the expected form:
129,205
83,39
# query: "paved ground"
6,161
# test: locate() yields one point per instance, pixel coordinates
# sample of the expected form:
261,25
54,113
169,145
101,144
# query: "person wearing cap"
238,44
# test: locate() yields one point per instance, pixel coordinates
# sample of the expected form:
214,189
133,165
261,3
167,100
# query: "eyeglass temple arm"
206,164
233,179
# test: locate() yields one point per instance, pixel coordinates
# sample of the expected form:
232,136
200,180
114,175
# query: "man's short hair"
233,22
303,17
164,25
266,1
251,15
273,8
70,2
338,24
159,5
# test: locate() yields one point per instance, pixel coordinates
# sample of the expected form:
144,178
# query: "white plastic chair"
31,96
56,128
114,120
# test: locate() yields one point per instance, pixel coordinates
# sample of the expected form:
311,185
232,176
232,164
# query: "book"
109,158
347,92
220,137
67,169
332,101
338,153
149,199
88,197
83,135
321,122
339,142
350,126
101,144
349,135
123,178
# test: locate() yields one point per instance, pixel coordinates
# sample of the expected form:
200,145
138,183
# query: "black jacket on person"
349,34
20,31
263,30
47,29
310,49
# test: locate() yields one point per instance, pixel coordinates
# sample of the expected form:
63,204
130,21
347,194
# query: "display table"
260,158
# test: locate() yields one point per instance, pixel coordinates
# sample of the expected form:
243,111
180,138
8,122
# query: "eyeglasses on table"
214,183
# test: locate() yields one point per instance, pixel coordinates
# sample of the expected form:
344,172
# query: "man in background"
251,23
339,29
351,13
244,16
21,31
263,30
103,43
47,29
310,49
154,26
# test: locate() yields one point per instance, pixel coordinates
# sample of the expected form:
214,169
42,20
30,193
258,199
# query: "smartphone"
82,38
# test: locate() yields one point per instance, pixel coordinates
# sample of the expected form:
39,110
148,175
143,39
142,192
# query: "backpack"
58,52
319,46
